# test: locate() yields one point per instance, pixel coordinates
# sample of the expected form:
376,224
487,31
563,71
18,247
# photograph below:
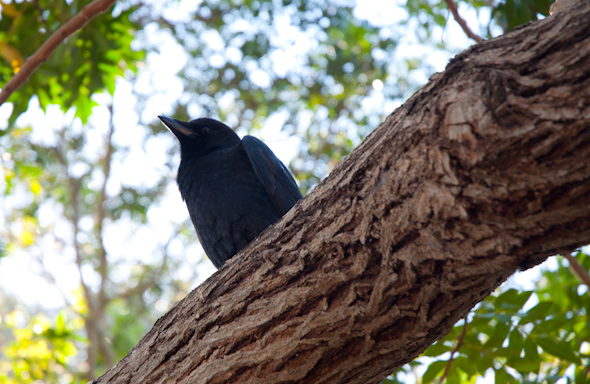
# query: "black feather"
234,189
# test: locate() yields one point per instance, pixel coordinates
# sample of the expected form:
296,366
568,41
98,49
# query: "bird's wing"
272,173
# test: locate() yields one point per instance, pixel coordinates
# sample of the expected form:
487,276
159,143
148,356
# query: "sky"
124,241
158,77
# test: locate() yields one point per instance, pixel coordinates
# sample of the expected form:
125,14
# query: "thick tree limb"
42,54
562,5
484,171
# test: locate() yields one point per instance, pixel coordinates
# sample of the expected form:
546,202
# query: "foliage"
65,176
314,68
87,63
41,350
512,13
318,69
523,336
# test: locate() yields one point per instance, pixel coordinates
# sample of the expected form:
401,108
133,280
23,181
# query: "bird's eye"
204,130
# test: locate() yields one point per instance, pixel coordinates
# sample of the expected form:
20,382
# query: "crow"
234,189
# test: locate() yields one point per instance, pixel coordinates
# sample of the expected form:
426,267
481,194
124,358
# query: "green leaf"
559,348
581,376
538,312
522,365
486,362
498,336
433,370
437,349
453,376
531,355
515,344
465,365
503,318
60,326
500,376
512,300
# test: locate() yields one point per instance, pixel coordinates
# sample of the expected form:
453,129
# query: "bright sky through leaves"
159,78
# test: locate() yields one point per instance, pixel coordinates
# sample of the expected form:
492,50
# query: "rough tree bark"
484,171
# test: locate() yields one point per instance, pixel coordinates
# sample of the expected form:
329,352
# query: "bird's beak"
179,128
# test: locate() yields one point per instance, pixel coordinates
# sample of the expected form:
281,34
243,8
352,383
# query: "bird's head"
200,136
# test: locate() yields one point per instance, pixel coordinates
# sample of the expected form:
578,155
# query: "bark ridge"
484,171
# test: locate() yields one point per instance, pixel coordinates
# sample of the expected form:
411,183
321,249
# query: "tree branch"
101,214
460,341
74,219
40,11
90,321
42,54
578,270
484,171
561,5
453,8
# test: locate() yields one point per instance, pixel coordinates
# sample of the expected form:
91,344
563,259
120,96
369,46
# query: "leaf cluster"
327,77
41,350
314,68
87,63
536,336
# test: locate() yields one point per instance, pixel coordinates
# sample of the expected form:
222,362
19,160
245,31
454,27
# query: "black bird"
233,189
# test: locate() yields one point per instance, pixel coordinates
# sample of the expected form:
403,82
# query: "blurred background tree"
95,242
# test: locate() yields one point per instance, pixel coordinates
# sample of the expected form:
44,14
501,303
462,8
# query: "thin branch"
91,353
42,54
461,21
455,350
105,349
102,253
41,10
101,214
74,218
578,270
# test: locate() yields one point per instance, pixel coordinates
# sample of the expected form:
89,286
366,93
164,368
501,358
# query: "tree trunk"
484,171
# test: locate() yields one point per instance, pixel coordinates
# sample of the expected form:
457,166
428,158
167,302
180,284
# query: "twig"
455,350
42,54
107,353
461,21
90,321
101,214
41,10
74,218
578,270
